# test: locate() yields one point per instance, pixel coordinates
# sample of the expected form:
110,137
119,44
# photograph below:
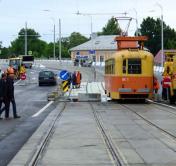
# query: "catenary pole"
25,39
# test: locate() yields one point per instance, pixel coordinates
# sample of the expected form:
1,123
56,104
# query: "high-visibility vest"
22,70
78,77
166,82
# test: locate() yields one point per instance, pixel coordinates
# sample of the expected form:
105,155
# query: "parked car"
87,63
47,77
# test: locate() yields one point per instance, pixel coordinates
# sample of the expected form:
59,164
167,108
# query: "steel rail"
108,141
149,122
36,156
106,138
164,105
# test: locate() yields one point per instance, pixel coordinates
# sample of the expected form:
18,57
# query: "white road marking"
17,82
43,109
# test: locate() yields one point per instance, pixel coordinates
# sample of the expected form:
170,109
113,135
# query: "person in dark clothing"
74,80
3,93
10,97
69,79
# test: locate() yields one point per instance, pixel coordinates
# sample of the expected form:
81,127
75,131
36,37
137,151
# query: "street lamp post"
54,35
91,24
162,35
60,52
25,36
54,46
54,38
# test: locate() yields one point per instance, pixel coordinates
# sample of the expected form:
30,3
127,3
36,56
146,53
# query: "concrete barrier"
89,97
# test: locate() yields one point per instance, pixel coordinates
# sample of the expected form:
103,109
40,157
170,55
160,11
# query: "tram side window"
124,66
134,66
110,67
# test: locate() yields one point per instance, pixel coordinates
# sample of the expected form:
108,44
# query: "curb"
26,153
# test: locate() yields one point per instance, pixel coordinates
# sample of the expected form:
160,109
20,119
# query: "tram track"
129,108
165,106
33,161
108,141
112,149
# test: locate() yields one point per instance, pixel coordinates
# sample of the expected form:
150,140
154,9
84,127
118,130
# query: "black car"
47,77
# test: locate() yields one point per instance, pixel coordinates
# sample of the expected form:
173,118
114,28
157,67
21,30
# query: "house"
98,48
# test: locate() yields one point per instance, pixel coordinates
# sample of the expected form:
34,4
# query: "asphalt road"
30,99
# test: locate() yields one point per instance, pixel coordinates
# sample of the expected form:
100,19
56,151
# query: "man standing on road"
74,80
10,70
10,96
3,93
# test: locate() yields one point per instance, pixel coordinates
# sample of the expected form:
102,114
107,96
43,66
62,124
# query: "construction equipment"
169,77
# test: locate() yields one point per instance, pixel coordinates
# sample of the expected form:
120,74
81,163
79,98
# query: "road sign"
23,76
30,52
64,75
92,52
65,86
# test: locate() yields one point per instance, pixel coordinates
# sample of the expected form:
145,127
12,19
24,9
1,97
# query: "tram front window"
134,66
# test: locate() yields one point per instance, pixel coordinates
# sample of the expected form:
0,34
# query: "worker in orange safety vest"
78,79
22,70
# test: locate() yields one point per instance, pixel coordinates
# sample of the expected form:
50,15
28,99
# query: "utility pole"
162,35
54,35
60,51
162,42
25,39
54,47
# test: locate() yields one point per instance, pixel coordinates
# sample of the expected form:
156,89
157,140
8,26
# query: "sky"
41,15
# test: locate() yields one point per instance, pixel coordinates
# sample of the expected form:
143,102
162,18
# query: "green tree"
73,40
76,39
34,44
49,50
5,52
152,28
111,28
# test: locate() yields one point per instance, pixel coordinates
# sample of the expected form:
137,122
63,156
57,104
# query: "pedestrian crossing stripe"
65,86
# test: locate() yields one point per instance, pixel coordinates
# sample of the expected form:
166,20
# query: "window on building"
101,58
94,58
134,66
